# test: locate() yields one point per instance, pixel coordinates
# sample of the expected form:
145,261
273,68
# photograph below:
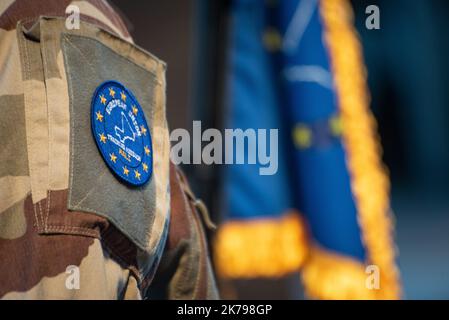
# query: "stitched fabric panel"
93,187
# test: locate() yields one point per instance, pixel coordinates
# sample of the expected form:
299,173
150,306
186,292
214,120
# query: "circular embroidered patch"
121,133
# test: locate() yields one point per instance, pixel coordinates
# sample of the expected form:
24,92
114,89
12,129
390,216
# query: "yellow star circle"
99,116
102,138
125,170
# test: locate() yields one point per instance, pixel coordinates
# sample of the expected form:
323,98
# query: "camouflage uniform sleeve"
185,270
51,247
37,261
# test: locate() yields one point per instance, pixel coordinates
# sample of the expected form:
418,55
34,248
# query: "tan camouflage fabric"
69,231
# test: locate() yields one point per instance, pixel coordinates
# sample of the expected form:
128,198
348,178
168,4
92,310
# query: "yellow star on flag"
137,174
302,136
147,150
123,95
143,130
135,110
102,138
111,92
125,170
145,167
99,116
113,157
103,99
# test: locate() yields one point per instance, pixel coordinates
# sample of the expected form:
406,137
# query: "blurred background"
408,76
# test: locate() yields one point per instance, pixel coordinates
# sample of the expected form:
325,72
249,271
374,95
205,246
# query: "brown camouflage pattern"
185,271
41,240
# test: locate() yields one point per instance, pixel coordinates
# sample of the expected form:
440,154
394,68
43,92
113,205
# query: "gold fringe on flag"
261,247
328,275
369,181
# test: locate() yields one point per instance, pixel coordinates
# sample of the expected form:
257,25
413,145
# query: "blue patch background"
130,147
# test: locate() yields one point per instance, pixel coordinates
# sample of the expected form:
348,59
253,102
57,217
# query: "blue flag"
296,65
